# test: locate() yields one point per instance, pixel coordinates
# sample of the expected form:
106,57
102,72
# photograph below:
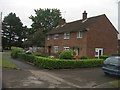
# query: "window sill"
79,37
66,38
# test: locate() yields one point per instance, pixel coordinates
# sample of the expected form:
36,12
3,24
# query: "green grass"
0,62
8,64
115,84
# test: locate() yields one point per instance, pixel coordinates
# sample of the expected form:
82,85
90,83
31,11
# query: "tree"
36,39
13,31
44,21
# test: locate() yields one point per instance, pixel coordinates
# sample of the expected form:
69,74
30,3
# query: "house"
90,37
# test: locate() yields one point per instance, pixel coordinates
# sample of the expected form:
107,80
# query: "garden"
64,61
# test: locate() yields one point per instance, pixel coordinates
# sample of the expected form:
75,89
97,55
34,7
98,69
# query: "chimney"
84,15
62,22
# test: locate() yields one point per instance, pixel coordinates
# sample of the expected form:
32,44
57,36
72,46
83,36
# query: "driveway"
29,76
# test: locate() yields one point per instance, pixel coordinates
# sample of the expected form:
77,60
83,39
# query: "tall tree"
43,21
13,31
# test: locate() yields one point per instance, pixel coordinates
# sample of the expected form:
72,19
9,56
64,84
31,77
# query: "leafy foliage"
15,51
84,57
67,54
36,39
44,21
48,63
104,57
13,31
67,64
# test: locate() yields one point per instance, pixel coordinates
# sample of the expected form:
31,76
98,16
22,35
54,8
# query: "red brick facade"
100,34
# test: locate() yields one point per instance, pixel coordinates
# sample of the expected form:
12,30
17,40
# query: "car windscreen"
112,60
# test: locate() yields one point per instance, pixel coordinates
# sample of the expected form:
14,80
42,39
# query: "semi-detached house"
88,37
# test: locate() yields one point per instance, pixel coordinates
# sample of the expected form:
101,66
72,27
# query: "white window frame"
97,52
66,48
79,34
67,35
55,49
48,37
56,36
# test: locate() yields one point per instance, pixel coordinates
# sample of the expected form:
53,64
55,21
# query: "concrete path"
20,65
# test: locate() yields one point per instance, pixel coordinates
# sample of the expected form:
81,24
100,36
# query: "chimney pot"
63,21
84,15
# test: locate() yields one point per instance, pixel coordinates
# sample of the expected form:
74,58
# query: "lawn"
115,83
7,64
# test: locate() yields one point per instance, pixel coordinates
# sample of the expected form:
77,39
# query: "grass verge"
115,84
8,64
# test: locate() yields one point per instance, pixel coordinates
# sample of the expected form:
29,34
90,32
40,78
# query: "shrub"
49,63
84,57
67,54
103,57
26,57
15,51
67,64
36,54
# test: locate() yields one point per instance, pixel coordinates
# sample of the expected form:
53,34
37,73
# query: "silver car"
112,65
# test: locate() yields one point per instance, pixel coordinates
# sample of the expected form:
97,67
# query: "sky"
71,10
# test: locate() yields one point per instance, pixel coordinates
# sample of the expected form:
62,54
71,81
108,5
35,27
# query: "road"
29,76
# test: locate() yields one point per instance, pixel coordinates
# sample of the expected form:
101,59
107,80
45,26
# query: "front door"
98,52
49,50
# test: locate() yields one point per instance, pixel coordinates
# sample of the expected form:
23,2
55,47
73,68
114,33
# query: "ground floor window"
66,48
55,49
98,52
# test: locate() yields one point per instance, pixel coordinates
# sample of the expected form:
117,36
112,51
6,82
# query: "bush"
49,63
15,51
84,57
103,57
26,57
67,64
67,54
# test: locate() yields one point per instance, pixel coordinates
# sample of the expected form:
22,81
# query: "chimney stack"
84,15
63,21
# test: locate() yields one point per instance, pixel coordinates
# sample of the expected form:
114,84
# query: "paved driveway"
30,77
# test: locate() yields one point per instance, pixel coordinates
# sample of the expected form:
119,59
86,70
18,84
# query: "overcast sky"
71,9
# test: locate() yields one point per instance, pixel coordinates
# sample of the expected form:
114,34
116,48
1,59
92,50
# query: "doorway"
98,52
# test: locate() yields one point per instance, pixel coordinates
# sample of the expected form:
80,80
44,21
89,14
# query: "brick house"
88,37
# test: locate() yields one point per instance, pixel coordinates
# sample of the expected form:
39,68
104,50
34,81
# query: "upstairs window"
56,36
48,37
79,34
66,35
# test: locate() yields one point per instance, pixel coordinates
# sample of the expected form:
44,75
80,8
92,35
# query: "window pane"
55,49
79,34
66,35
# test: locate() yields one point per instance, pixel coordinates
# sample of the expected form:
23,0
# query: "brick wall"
72,42
102,35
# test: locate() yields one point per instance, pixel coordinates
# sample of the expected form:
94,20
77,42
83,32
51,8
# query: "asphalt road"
31,77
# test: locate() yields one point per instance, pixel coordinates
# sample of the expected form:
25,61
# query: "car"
112,65
28,52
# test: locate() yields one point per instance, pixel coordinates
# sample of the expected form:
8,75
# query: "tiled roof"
78,25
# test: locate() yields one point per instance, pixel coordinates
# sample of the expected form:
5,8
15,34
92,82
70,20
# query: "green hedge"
15,51
48,63
104,57
27,57
67,64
